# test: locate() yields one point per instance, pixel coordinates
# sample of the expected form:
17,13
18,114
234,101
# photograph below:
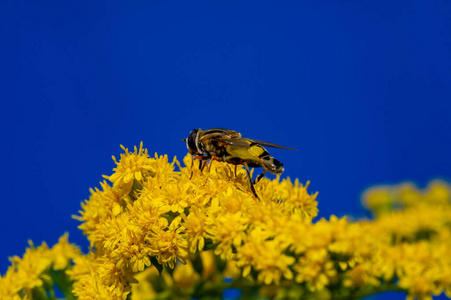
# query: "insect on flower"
228,146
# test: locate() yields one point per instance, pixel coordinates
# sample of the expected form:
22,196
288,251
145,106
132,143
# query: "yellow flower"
264,256
128,224
439,192
29,268
317,274
155,213
360,276
227,230
31,272
295,199
63,252
175,199
153,216
132,252
100,206
168,245
379,199
136,165
99,278
414,243
10,288
194,226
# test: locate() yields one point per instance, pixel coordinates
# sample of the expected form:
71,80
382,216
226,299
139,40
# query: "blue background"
363,91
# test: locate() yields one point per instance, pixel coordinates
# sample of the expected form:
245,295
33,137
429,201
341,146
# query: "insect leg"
235,169
209,166
260,176
202,159
250,179
211,162
203,166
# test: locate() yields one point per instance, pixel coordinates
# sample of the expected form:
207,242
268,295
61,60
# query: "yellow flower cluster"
413,228
208,225
38,270
154,215
166,231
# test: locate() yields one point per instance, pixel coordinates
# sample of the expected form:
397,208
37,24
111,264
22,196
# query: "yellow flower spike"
132,252
227,230
195,228
407,194
154,216
378,199
131,166
9,285
295,199
99,278
30,274
316,275
361,275
178,211
168,245
438,191
63,252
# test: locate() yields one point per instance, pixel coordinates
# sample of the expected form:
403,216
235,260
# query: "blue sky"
362,89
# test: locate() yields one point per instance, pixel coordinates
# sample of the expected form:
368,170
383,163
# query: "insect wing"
237,142
221,133
269,144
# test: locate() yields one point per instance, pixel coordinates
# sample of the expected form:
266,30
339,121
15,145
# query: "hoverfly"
228,146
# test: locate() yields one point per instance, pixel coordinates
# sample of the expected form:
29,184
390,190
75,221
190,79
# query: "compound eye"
191,143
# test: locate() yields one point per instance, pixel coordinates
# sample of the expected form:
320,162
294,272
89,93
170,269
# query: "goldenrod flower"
168,245
264,256
102,205
195,228
191,234
32,273
62,253
136,165
360,276
316,274
296,200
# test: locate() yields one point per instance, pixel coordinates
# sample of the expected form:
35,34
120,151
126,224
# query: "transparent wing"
238,142
269,144
246,143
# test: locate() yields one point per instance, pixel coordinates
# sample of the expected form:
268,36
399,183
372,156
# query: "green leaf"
220,263
197,263
209,244
170,216
63,281
39,293
136,188
156,264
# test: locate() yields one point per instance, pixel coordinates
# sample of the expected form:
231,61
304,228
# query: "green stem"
64,283
39,293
